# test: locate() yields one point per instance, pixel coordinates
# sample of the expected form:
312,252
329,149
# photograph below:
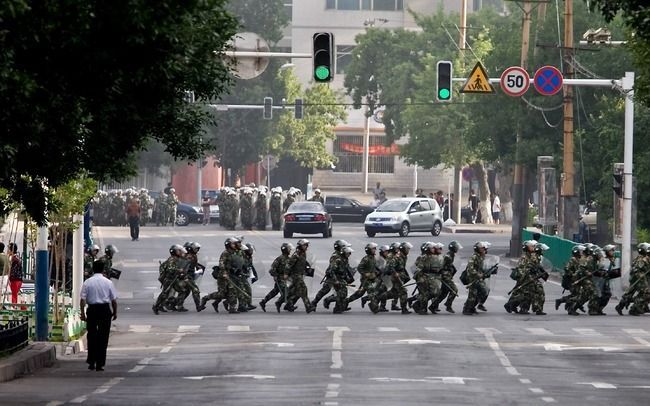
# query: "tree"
87,83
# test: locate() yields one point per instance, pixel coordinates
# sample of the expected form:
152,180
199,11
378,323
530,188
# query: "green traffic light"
443,94
322,72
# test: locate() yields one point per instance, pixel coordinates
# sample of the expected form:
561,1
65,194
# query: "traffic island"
27,361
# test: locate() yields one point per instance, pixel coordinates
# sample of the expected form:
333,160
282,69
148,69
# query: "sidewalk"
26,361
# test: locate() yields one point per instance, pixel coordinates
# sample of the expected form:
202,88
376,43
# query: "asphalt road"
358,358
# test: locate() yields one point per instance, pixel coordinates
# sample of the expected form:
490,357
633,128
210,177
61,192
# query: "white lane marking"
337,362
189,328
536,390
54,403
139,328
548,399
331,394
489,336
176,340
337,338
637,387
454,380
257,377
487,330
331,403
239,328
587,332
524,381
148,271
642,341
281,328
152,287
498,298
598,385
411,341
280,345
137,368
636,331
437,329
337,376
566,347
333,386
79,399
539,331
166,349
387,329
108,385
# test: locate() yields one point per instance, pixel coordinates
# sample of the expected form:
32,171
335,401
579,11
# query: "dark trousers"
98,323
134,225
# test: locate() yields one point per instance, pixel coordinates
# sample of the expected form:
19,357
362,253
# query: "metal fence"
14,335
348,149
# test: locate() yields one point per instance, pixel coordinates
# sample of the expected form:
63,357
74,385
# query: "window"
333,201
288,9
415,207
379,5
343,57
349,151
425,205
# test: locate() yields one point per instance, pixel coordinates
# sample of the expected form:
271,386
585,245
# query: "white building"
346,19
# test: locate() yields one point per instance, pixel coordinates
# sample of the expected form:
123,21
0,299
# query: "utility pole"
458,177
570,202
519,203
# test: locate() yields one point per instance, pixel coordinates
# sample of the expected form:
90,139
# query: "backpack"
215,271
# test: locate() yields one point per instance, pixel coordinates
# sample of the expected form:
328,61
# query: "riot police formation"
245,207
383,275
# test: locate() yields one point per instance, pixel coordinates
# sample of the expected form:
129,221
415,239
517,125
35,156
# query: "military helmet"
439,246
405,246
528,245
589,249
424,247
338,244
303,242
481,244
643,248
176,249
110,250
231,240
93,247
577,249
540,248
187,244
251,247
609,247
394,246
286,247
455,246
384,248
347,250
194,246
370,247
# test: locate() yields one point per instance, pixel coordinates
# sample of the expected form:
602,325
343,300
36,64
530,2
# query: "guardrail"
14,335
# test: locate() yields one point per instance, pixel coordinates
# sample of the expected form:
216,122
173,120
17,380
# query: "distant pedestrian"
99,294
496,208
472,201
377,191
133,216
205,206
15,272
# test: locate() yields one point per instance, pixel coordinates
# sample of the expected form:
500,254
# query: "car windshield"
393,205
306,207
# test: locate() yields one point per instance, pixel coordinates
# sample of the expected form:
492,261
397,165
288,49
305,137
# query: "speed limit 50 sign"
515,81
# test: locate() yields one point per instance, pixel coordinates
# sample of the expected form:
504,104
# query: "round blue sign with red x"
548,80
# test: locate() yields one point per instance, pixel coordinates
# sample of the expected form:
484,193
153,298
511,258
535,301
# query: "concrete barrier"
27,361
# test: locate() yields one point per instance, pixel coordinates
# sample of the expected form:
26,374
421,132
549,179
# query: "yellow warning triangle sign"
478,81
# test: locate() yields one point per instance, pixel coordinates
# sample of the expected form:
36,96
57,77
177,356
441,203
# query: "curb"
455,230
73,347
33,357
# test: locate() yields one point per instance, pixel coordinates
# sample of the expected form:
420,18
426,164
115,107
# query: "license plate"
304,218
377,224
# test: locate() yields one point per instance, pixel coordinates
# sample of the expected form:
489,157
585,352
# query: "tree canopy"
84,84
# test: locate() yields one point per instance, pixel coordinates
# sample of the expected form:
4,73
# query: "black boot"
263,306
395,307
363,301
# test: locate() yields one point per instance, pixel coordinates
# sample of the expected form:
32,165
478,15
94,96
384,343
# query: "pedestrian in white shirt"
496,208
99,294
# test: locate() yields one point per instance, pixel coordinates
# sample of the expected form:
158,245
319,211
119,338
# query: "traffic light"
445,70
323,57
298,109
268,108
618,184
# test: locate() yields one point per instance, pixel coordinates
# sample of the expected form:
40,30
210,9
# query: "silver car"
405,215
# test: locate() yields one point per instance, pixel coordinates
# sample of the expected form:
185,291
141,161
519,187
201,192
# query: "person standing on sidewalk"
15,272
205,206
496,208
133,216
99,294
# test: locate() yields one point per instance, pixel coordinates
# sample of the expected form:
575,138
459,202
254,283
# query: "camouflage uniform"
172,201
287,202
475,275
569,276
295,268
276,210
448,287
233,210
369,284
334,278
89,258
638,282
428,278
146,204
396,269
279,273
225,290
584,285
160,209
260,211
187,284
242,280
246,211
171,273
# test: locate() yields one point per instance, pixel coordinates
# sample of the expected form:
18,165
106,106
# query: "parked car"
346,209
187,214
405,215
307,218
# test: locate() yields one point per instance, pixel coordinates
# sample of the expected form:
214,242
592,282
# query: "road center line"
108,385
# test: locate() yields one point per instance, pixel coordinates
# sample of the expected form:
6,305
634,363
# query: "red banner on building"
393,149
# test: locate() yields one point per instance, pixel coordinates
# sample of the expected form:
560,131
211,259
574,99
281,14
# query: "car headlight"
197,209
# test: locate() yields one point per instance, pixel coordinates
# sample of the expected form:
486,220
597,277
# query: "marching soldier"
335,258
107,259
275,207
225,272
187,283
396,269
520,275
279,273
341,275
610,272
586,291
569,276
448,288
89,258
171,271
428,270
475,274
638,293
370,280
297,268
